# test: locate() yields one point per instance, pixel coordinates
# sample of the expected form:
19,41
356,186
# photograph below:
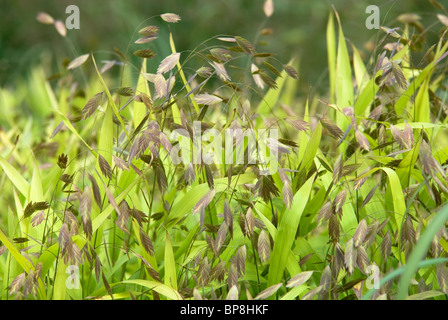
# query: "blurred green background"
298,29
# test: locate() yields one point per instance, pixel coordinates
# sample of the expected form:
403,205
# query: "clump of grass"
361,178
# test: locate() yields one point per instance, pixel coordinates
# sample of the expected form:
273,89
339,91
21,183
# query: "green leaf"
287,231
170,264
16,178
420,251
161,288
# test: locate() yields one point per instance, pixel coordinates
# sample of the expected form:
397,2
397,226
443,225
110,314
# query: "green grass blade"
110,99
398,272
182,75
287,231
170,264
161,288
420,250
331,53
16,178
272,95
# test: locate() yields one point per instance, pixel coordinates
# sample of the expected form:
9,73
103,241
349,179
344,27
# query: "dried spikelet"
349,169
17,284
442,277
96,191
190,173
241,260
287,189
404,138
120,163
266,293
29,284
111,199
162,182
332,128
325,283
75,63
372,231
264,246
360,233
38,219
58,128
218,272
337,170
220,71
228,216
85,209
272,69
290,71
91,105
443,19
204,72
358,183
149,31
123,217
108,65
350,256
249,223
299,125
333,228
145,53
33,207
245,45
204,202
266,188
97,268
203,274
168,63
44,18
268,79
268,7
339,201
62,161
64,237
211,244
170,17
160,86
60,27
338,259
2,249
362,140
221,236
207,99
138,215
408,232
142,143
386,245
166,144
77,253
220,54
362,259
310,294
125,91
429,163
325,212
233,293
369,196
299,279
146,242
232,279
257,79
399,75
145,40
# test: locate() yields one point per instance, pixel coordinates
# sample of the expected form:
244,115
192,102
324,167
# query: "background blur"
298,29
